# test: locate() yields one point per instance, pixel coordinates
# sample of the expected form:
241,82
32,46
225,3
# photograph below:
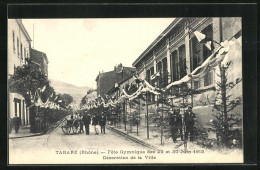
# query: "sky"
77,49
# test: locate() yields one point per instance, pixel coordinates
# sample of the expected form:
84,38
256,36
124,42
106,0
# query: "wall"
15,60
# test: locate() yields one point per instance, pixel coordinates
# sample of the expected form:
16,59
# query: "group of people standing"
177,123
98,120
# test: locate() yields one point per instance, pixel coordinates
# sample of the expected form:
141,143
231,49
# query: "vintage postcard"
125,90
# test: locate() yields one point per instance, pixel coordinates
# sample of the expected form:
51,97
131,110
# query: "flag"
43,89
202,38
130,86
56,98
155,75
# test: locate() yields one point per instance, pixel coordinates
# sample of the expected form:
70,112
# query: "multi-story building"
105,81
115,91
19,43
176,52
40,59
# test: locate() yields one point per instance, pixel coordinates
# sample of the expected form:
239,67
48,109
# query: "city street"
46,147
172,94
58,144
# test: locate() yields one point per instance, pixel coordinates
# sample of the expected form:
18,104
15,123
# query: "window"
196,53
159,66
199,53
174,66
13,41
196,84
21,51
152,70
182,61
148,75
24,50
18,47
164,72
178,64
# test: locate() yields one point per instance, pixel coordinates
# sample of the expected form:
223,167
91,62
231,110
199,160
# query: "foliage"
227,123
66,99
26,80
134,117
83,100
160,119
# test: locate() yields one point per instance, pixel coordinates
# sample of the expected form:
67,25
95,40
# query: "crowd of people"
97,117
180,126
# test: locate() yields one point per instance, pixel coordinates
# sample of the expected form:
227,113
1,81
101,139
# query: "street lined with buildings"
183,93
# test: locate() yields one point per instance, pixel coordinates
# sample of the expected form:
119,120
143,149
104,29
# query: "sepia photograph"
125,90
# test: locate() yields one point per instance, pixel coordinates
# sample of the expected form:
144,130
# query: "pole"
191,86
125,113
224,99
138,117
146,93
162,123
33,36
131,117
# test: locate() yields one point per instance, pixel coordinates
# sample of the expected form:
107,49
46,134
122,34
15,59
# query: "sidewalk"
154,137
22,132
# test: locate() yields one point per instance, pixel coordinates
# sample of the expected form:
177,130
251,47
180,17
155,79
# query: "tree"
66,99
226,118
27,80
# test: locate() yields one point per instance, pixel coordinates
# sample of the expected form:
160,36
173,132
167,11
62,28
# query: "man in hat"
175,122
189,117
172,123
86,120
103,123
179,122
80,123
16,121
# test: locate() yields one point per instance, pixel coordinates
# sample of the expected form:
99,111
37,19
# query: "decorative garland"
211,61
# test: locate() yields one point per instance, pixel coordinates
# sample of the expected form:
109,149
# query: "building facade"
176,52
19,43
107,80
40,59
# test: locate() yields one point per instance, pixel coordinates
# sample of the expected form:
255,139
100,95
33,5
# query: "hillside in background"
76,92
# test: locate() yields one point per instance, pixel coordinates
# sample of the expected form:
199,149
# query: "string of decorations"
144,86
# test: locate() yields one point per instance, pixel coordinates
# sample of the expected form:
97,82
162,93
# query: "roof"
113,71
119,83
19,21
156,41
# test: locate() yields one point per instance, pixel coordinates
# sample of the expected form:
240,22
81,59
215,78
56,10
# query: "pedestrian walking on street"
103,120
16,121
86,120
189,121
80,123
95,123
